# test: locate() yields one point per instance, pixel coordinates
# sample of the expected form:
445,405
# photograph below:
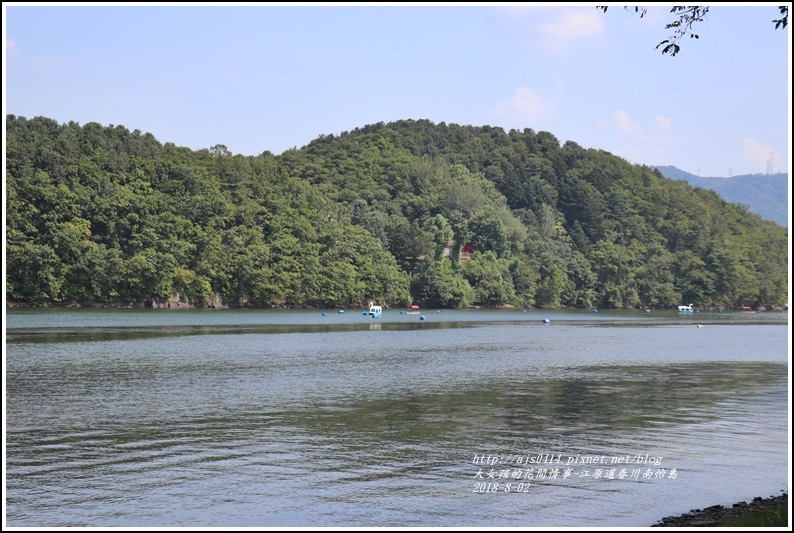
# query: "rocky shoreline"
718,515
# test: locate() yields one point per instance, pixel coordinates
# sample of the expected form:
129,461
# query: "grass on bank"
772,517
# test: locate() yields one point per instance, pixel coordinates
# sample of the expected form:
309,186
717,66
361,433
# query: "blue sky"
257,77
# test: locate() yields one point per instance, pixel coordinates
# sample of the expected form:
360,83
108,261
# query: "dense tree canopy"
406,212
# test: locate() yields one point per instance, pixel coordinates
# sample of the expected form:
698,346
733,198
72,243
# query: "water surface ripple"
289,419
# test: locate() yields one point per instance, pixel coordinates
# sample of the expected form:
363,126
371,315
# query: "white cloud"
558,27
660,130
644,155
524,109
561,89
623,122
570,25
11,47
652,142
664,124
757,155
516,12
655,15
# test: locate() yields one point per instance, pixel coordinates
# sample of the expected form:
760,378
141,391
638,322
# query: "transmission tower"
769,163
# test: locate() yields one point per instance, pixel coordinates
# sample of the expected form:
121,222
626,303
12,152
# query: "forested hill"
763,194
439,215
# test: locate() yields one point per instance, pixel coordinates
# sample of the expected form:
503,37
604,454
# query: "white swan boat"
374,311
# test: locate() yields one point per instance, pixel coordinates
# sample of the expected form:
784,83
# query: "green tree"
437,284
35,273
442,234
490,278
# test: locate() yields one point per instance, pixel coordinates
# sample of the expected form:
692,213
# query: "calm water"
203,418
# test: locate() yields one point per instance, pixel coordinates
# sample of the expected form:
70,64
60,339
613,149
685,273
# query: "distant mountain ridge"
765,195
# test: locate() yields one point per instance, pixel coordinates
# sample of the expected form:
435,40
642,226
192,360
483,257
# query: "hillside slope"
766,195
440,215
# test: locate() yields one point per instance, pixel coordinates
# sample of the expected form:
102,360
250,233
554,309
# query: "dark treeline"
407,212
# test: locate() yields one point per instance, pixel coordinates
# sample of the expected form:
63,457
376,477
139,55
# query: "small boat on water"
413,310
374,311
685,308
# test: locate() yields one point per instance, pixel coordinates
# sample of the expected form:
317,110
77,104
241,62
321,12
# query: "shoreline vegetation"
771,511
176,303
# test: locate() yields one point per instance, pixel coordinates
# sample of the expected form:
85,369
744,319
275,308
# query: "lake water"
251,418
